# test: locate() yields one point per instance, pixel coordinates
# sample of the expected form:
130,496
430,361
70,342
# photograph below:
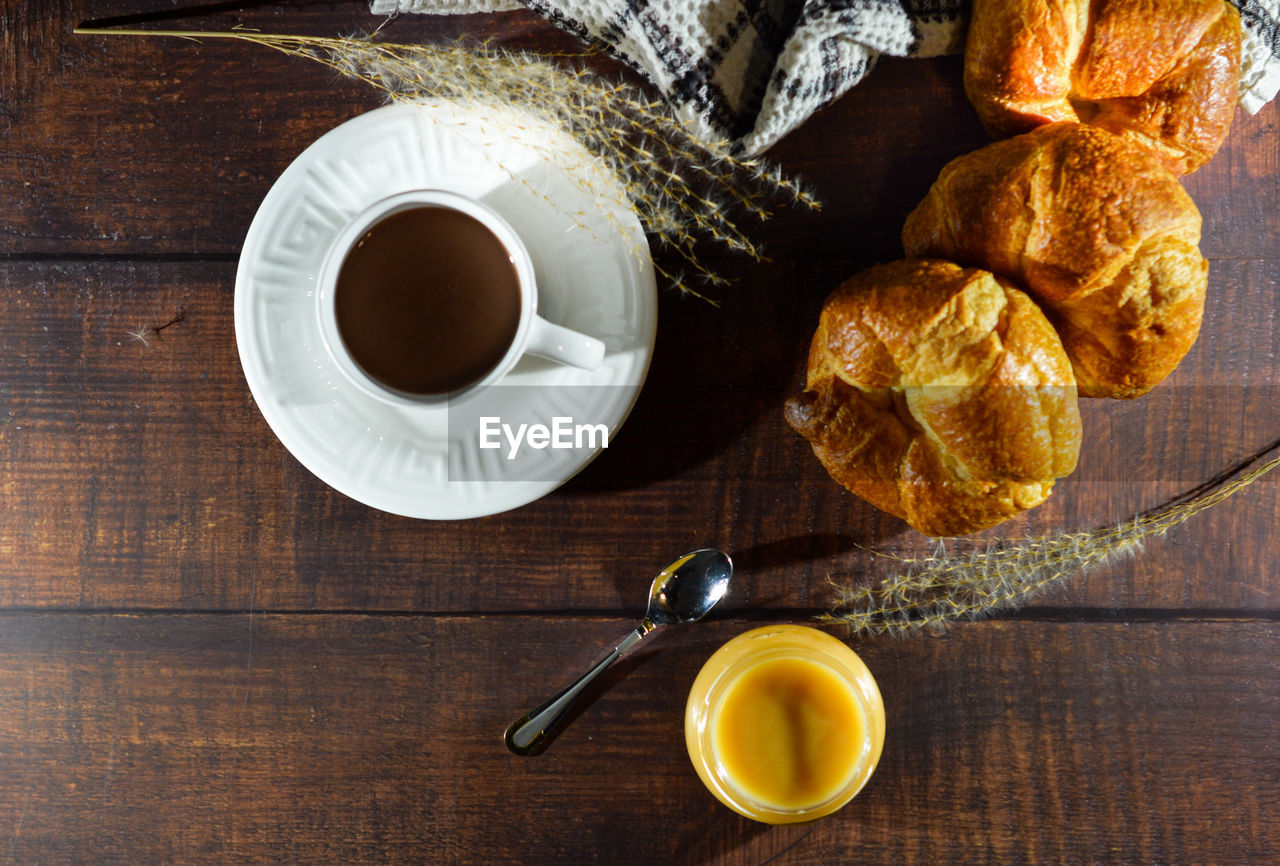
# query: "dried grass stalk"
683,188
933,591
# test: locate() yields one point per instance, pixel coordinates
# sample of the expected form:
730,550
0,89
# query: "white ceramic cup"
534,335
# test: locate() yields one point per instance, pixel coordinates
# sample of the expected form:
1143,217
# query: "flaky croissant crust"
1162,73
939,394
1095,229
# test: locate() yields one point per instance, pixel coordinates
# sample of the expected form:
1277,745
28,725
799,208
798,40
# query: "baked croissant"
939,394
1163,73
1095,229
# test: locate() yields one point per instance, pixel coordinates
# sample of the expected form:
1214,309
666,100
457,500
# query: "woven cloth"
753,70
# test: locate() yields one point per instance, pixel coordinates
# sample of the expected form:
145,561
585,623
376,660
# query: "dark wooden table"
207,655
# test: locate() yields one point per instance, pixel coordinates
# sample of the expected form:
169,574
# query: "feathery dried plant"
682,187
932,591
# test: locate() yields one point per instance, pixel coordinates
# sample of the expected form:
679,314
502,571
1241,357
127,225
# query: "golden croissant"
1161,73
940,394
1095,229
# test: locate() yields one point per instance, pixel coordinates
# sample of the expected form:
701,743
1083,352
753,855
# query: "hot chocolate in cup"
428,296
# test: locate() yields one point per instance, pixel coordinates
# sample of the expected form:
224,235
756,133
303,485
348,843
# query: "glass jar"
784,723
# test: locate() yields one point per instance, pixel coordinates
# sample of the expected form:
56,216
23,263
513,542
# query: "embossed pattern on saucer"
593,274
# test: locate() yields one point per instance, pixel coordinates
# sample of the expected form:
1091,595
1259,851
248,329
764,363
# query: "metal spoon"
682,592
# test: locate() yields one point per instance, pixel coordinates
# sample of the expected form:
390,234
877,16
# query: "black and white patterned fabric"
753,70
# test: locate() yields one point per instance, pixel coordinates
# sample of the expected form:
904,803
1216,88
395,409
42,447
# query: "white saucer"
593,273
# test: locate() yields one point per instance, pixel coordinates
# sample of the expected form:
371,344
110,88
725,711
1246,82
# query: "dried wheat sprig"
683,188
931,591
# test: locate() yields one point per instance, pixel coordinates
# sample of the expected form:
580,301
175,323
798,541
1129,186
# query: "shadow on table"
716,370
192,10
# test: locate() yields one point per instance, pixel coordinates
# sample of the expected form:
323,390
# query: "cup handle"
557,343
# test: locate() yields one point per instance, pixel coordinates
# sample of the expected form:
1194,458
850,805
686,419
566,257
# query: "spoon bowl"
688,588
683,592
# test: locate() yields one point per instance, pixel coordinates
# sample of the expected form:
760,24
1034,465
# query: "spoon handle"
527,734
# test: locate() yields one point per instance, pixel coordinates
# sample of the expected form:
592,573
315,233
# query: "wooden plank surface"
238,738
141,474
164,146
156,177
208,656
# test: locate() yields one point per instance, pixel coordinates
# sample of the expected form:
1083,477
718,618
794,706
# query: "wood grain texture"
165,146
136,470
208,656
216,739
155,159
